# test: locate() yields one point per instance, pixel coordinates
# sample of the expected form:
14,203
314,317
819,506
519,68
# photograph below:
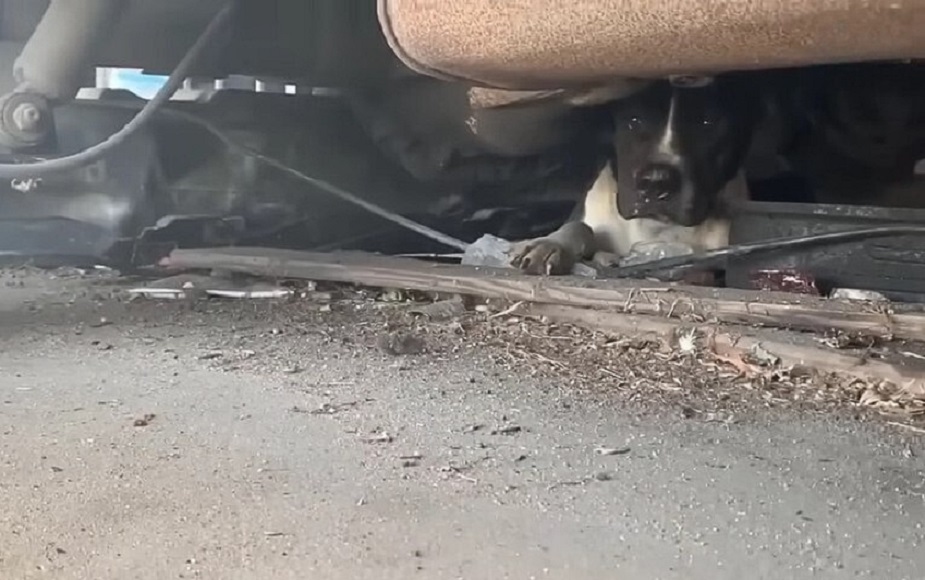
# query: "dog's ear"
485,98
606,94
690,81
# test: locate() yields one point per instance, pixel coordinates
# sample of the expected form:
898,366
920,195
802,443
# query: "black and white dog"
677,159
681,148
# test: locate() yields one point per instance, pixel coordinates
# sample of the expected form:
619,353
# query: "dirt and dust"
351,433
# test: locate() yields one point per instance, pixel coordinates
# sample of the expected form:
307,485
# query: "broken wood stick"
790,349
700,304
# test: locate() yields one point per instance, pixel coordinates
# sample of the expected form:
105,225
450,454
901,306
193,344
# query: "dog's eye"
709,121
634,124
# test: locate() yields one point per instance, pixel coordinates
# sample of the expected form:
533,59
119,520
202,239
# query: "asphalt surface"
157,441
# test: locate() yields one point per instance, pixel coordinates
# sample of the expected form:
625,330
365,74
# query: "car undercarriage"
398,289
324,126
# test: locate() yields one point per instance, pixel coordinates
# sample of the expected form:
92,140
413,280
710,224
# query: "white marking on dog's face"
668,152
667,147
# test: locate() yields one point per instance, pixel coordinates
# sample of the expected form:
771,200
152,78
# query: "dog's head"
678,144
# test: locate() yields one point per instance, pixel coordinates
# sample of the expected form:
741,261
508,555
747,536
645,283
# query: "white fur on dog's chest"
618,235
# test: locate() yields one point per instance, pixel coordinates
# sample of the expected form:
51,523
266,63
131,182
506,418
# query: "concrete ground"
261,441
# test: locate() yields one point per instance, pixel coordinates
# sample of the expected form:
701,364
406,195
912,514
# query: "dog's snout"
659,180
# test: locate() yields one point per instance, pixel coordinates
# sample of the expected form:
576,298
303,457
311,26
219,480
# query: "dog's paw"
541,256
606,260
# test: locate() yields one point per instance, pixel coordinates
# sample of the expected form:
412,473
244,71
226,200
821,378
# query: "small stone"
400,343
144,421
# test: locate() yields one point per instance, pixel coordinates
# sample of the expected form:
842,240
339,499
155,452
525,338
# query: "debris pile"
794,348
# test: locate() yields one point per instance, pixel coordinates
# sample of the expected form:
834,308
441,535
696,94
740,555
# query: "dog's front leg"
556,253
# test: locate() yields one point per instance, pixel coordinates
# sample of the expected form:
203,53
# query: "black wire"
717,257
330,188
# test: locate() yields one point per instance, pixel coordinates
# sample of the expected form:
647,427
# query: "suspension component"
52,66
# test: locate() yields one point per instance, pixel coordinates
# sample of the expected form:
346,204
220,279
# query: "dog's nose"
659,180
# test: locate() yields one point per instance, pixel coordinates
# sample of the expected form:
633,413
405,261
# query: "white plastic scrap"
856,294
177,287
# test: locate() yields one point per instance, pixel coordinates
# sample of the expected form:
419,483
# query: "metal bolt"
27,117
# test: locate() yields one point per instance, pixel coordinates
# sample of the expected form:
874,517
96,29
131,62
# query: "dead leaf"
763,356
872,396
887,398
510,310
845,340
735,360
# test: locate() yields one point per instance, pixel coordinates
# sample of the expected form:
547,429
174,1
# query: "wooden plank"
789,348
772,309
